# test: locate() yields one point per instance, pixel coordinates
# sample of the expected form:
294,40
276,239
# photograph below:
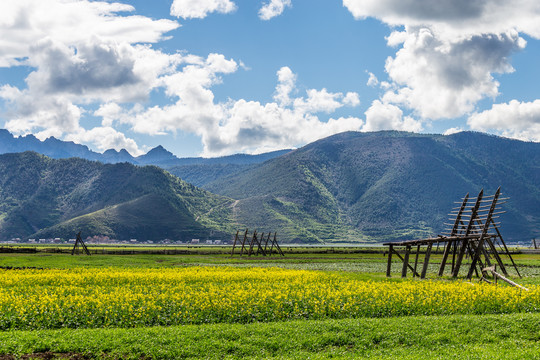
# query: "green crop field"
313,303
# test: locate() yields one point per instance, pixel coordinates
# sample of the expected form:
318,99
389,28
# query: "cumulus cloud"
384,116
444,80
286,84
273,8
25,22
189,9
519,120
81,53
447,53
372,80
454,19
100,66
105,138
240,125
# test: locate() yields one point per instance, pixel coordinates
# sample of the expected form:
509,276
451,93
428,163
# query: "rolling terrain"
350,187
385,186
42,197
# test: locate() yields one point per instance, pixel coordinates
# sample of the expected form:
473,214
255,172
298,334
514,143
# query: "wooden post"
505,248
252,241
244,243
405,261
266,244
389,264
470,226
416,260
234,243
79,242
480,247
454,232
454,251
496,256
445,257
277,245
426,261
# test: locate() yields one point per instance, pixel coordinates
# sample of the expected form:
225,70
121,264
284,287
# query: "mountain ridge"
59,149
386,185
44,197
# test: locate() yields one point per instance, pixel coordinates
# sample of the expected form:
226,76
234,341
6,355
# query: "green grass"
515,336
512,336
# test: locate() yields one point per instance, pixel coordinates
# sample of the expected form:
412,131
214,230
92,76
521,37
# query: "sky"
218,77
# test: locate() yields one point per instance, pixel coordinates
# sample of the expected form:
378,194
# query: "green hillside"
42,197
385,185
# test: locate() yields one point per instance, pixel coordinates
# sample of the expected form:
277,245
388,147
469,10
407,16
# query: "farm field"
303,305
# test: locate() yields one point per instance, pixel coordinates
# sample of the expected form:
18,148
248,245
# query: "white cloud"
105,138
454,19
52,116
448,50
81,53
273,8
351,99
372,81
384,116
319,101
103,69
240,125
453,130
445,80
286,84
199,9
519,120
25,22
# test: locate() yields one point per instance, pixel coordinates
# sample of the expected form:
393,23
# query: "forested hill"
386,185
44,197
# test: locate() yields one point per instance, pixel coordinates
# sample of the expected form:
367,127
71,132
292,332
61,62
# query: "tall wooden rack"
473,232
79,244
248,242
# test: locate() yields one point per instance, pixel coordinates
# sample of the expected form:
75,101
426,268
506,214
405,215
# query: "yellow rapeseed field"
120,297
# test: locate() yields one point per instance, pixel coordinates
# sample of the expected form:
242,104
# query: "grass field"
305,305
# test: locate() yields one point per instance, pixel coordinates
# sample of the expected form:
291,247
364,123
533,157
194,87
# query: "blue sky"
216,77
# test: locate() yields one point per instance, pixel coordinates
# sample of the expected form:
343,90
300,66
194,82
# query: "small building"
194,241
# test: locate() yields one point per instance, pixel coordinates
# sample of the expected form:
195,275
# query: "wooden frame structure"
256,240
473,232
79,242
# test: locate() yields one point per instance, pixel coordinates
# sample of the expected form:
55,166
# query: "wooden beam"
405,262
416,260
497,275
426,262
505,248
480,247
389,264
234,243
468,230
445,257
244,243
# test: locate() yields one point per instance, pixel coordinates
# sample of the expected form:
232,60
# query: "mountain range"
349,187
159,156
386,186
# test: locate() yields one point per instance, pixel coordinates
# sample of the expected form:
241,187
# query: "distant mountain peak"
157,155
160,150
